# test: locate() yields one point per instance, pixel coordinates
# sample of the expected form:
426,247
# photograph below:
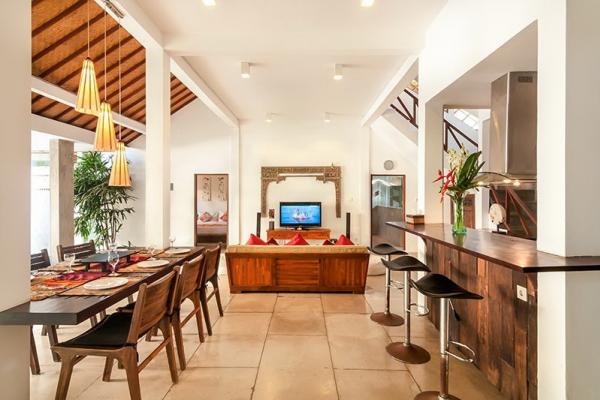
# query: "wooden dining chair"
116,337
80,250
189,282
210,274
37,261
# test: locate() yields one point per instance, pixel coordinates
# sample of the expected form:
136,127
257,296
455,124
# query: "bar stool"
387,318
406,351
440,287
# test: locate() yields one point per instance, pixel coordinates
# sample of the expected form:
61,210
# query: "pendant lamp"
105,129
119,172
88,97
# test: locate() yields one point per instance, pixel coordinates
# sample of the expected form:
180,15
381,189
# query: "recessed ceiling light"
367,3
338,74
209,3
269,118
246,70
327,118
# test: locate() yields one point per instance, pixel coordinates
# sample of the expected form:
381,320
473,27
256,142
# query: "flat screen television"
300,214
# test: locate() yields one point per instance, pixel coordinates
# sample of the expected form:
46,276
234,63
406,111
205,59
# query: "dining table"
60,297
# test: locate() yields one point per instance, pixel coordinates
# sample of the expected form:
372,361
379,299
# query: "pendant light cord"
105,77
119,33
88,28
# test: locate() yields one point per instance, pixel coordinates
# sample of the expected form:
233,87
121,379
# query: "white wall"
301,143
200,143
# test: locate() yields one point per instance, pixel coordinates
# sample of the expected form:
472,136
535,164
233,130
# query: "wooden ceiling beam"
67,37
182,93
183,101
63,14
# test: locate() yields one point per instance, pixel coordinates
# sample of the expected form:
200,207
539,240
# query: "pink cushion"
224,216
255,240
273,242
297,240
343,241
205,217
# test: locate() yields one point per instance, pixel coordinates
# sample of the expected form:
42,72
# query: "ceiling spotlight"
269,118
209,3
338,74
246,70
367,3
327,118
516,182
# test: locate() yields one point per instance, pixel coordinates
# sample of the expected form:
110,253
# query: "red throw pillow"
297,240
205,217
255,241
273,242
327,243
343,241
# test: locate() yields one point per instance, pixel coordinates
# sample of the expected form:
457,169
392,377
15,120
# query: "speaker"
271,225
258,216
348,225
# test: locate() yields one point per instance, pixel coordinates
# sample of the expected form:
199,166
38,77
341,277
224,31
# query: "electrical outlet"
521,293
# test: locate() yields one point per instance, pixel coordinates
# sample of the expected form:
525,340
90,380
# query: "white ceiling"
293,46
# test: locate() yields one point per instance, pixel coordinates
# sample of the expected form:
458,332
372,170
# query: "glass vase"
458,227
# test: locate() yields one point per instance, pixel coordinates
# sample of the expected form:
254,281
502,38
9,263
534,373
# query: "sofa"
297,268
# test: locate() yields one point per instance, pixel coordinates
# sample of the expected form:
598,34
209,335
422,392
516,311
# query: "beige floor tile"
228,351
297,323
296,353
375,385
243,324
367,353
420,327
293,294
278,384
345,303
84,375
252,302
299,304
357,326
214,384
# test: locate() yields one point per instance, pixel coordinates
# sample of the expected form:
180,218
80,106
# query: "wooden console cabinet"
308,234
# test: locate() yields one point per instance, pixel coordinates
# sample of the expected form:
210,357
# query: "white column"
430,155
234,187
362,213
568,189
61,194
158,146
15,174
482,197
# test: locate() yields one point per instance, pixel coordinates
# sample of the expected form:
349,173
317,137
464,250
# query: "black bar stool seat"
406,263
386,317
386,249
438,286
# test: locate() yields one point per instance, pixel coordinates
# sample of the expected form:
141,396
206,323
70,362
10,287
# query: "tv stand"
308,234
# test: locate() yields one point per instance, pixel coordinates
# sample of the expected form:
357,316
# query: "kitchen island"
501,328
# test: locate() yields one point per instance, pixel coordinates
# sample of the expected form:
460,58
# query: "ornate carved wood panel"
324,174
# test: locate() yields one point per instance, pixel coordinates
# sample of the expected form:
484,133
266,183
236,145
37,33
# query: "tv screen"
303,214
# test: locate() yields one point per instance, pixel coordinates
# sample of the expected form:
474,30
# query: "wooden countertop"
512,252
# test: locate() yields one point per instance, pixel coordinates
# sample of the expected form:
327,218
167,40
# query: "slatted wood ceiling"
59,46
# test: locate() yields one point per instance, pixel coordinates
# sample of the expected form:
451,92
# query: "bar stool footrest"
424,313
462,346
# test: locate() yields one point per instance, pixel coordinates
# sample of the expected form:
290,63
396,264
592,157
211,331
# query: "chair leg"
176,323
53,339
204,304
108,366
197,306
34,362
165,327
215,283
129,360
66,370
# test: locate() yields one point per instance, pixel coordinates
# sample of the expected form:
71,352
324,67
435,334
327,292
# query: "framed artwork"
205,188
221,188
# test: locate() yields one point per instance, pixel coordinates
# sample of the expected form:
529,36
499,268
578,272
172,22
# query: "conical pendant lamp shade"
119,173
105,130
88,98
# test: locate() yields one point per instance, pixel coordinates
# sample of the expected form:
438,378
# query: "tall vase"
458,227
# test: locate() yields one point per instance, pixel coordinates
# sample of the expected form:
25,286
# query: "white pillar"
430,156
362,213
234,187
15,174
568,189
482,197
158,146
61,194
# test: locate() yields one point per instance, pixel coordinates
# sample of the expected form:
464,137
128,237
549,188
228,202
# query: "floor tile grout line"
262,352
337,391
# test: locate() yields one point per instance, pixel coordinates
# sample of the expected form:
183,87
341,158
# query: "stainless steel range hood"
513,126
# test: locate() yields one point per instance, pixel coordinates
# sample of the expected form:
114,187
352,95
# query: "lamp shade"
119,173
105,130
88,97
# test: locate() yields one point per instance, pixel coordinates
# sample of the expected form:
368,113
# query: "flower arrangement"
458,180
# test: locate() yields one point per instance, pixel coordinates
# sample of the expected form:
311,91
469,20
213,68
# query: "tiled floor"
286,346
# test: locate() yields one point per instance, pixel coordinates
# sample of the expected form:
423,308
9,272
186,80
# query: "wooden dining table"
72,309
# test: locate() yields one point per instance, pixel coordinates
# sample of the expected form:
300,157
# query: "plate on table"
152,263
177,251
106,283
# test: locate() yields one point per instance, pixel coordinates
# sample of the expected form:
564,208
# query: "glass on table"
151,250
70,259
113,260
172,240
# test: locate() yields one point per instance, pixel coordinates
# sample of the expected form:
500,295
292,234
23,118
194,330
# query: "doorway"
388,198
211,209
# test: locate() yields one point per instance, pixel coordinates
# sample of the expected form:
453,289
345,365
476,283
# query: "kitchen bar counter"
512,252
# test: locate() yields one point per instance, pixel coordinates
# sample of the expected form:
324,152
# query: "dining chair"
116,337
37,261
80,250
210,274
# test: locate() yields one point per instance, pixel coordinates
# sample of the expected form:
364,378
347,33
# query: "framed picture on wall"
220,188
205,188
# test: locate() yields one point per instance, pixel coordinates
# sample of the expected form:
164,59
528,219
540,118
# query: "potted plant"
458,180
100,209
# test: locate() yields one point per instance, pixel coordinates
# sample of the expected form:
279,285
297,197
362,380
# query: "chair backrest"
40,260
153,302
211,264
189,280
80,250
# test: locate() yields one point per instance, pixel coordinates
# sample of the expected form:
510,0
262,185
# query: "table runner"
44,286
81,291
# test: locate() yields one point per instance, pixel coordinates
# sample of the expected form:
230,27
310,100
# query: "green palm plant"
100,209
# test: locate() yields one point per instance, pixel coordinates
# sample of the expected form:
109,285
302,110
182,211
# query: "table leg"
53,339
